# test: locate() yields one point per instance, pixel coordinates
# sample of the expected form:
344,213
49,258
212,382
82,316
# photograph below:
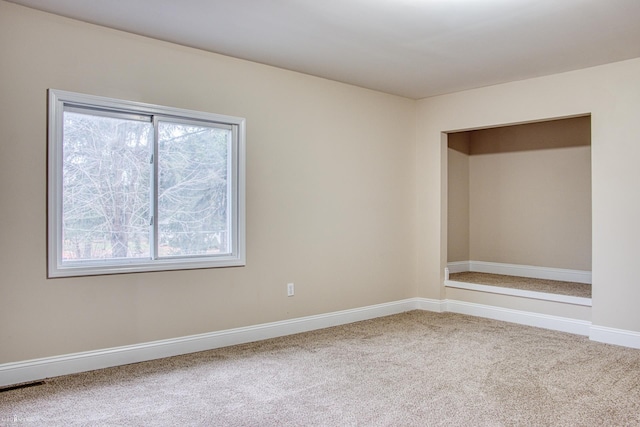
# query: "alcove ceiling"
412,48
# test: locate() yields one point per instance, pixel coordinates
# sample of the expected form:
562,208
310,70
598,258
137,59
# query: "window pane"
106,184
193,190
113,207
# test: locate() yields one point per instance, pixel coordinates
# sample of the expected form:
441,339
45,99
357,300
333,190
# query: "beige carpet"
413,369
525,283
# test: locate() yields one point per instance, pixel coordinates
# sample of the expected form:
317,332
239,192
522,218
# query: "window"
139,187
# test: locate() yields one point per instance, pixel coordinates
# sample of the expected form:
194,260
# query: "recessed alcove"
519,210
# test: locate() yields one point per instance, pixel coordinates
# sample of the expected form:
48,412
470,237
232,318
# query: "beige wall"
330,192
531,208
458,206
611,93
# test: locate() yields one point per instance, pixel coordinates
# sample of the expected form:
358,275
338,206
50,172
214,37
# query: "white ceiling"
413,48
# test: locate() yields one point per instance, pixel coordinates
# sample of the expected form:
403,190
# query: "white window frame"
58,100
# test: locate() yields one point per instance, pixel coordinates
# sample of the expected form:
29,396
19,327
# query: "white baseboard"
435,305
621,337
556,323
579,276
544,296
38,369
458,266
615,336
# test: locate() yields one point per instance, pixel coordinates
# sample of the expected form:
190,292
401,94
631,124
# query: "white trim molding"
579,276
615,336
556,323
435,305
458,266
544,296
38,369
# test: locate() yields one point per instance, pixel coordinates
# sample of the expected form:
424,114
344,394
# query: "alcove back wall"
522,194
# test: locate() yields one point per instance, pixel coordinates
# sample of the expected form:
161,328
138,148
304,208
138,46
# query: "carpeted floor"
413,369
525,283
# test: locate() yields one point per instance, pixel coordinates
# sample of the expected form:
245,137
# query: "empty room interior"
463,167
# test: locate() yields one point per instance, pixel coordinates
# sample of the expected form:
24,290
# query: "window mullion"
153,227
232,196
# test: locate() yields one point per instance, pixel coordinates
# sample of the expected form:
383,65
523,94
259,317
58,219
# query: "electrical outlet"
290,289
